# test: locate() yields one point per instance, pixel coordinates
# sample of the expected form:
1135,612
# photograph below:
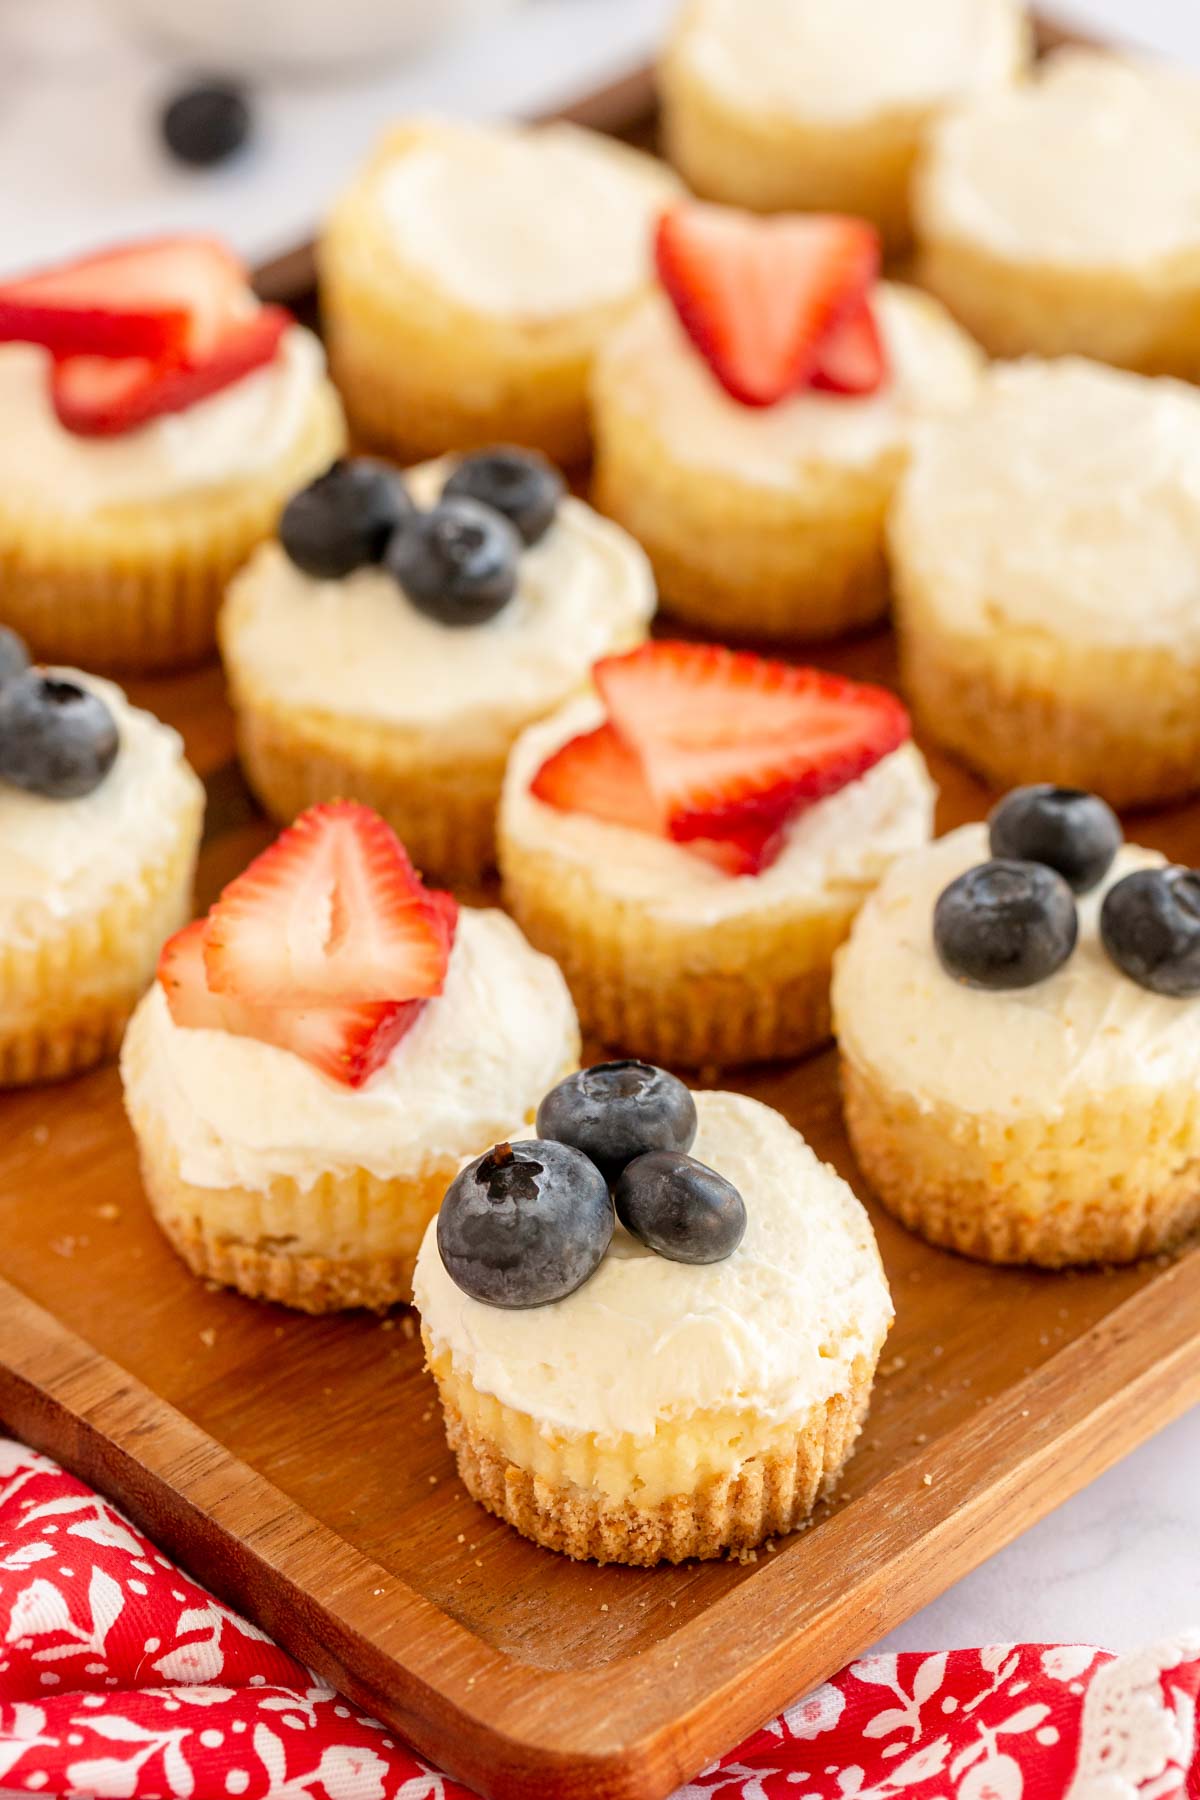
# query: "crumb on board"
927,1481
408,1326
208,1337
109,1211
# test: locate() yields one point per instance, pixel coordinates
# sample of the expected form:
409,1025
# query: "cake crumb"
770,1547
433,1481
110,1210
478,1564
462,1537
927,1480
408,1326
604,1606
894,1366
208,1337
387,1324
922,1437
377,1590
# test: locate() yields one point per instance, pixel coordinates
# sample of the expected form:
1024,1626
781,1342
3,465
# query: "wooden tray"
298,1465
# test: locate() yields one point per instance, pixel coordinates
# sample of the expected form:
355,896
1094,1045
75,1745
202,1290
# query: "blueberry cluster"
1011,922
458,561
528,1223
56,738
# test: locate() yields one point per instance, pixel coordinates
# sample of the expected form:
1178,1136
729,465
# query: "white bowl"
237,35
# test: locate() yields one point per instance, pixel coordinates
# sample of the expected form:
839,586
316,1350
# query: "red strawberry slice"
332,912
100,396
758,296
153,299
852,359
600,775
346,1042
728,740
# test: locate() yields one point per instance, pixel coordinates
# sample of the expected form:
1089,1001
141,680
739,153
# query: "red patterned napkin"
119,1676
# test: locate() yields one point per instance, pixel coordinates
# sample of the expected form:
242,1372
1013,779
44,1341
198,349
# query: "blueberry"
518,483
56,739
525,1224
1005,924
1068,830
1150,926
344,519
458,562
14,657
615,1111
680,1207
205,123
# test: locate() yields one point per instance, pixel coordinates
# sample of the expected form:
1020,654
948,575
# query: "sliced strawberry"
728,740
346,1042
100,396
332,912
852,359
153,299
758,295
600,775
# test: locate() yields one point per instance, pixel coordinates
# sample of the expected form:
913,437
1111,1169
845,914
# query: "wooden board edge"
988,1480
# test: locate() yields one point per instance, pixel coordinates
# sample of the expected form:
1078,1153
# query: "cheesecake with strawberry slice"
752,418
157,416
320,1053
692,841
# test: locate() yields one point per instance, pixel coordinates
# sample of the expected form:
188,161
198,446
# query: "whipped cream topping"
233,434
772,1330
1064,502
847,59
833,853
534,223
1086,1031
1096,160
480,1056
358,648
651,369
60,860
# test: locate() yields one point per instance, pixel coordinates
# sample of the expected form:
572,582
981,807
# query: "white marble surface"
78,162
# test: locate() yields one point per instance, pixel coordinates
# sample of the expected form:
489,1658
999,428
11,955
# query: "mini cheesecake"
683,1378
99,828
692,842
301,1101
156,419
468,275
1018,1017
399,637
806,105
754,460
1047,588
1061,216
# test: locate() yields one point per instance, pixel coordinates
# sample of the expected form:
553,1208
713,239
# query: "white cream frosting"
1086,1031
60,860
656,372
1095,160
832,854
844,60
1065,501
358,648
233,434
528,223
480,1055
772,1330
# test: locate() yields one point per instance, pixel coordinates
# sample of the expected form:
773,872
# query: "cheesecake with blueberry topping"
156,417
99,828
654,1325
404,630
1018,1015
318,1055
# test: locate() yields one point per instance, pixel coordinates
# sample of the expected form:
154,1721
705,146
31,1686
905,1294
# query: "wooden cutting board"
298,1466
